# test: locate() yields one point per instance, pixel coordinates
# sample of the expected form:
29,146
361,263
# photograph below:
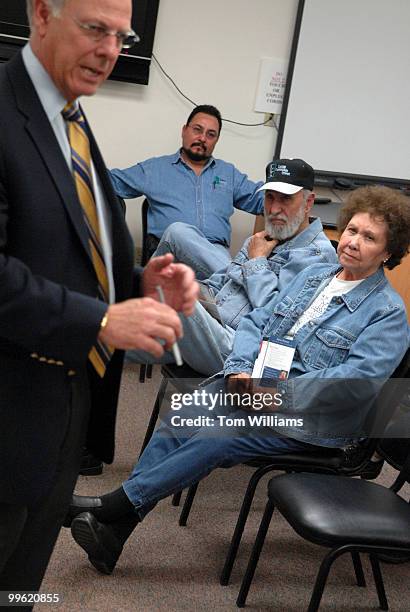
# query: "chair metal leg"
378,580
176,498
154,414
186,508
149,370
254,558
143,369
358,569
240,524
321,578
151,427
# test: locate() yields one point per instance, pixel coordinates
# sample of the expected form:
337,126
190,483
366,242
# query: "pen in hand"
175,348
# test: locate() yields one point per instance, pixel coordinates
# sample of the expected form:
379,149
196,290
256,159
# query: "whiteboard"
349,99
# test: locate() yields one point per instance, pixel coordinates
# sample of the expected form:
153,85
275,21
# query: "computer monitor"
132,65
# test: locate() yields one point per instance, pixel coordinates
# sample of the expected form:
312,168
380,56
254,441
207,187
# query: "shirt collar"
51,98
355,297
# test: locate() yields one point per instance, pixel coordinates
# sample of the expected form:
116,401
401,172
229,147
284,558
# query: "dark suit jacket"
49,314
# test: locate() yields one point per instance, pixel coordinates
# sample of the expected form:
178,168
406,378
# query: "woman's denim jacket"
341,359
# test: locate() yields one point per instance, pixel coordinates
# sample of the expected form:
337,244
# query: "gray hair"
306,193
54,5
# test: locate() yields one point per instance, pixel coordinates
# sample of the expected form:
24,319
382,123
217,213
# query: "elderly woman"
332,324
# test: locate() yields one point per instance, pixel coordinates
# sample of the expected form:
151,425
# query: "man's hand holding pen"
142,323
176,280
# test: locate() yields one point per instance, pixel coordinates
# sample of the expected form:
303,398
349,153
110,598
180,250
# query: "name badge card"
275,359
258,365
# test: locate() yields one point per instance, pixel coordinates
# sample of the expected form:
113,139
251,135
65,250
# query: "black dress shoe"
90,465
353,457
80,504
98,540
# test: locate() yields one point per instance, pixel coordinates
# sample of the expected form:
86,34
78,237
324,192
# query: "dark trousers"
28,534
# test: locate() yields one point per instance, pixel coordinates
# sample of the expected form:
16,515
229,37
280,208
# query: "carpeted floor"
165,567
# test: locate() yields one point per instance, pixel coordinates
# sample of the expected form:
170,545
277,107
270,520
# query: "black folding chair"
345,515
354,461
184,379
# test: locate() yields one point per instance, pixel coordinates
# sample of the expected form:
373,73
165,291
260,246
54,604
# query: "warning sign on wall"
271,85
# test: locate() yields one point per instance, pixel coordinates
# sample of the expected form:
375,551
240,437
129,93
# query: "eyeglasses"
125,40
198,130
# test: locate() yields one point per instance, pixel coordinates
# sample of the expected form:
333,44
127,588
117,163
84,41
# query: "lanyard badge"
274,360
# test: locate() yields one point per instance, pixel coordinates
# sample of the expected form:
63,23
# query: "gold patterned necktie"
100,353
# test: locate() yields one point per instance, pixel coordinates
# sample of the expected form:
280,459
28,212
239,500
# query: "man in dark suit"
51,320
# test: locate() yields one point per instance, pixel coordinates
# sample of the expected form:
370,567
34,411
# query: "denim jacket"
247,284
341,359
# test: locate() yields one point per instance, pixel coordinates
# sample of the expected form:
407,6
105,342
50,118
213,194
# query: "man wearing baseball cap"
266,263
289,176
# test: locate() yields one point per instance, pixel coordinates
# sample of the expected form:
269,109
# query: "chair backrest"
403,369
183,378
395,444
122,204
398,456
404,475
144,218
149,241
388,399
378,419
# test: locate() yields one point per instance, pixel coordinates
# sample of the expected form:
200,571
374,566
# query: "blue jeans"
205,345
189,245
177,457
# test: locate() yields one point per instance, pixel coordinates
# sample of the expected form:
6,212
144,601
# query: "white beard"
283,232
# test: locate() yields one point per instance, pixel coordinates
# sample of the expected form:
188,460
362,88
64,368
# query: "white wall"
212,51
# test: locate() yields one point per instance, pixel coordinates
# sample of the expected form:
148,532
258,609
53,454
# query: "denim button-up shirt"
251,283
341,359
176,193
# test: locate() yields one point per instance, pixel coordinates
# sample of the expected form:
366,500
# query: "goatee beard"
195,156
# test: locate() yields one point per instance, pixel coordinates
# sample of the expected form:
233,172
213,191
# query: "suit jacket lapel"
42,134
44,139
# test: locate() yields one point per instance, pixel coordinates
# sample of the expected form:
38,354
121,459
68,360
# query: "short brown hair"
382,203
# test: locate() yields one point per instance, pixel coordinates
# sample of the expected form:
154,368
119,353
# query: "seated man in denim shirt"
192,187
267,262
346,329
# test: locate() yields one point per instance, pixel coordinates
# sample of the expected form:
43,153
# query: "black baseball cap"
288,176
